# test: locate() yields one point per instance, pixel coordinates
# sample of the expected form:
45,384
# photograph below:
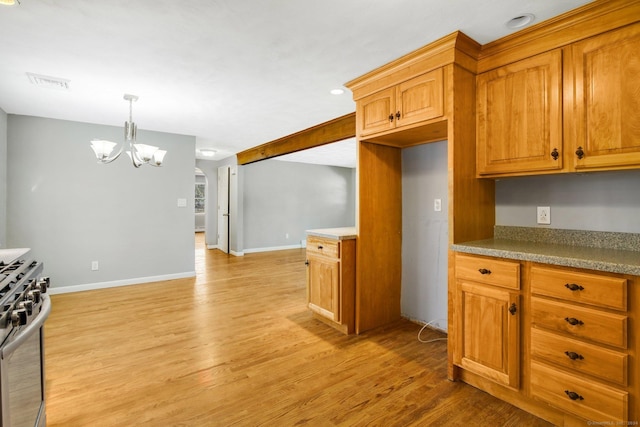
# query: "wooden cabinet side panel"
379,245
471,200
607,99
348,284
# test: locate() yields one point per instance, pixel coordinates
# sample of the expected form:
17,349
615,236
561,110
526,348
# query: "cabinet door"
324,287
607,100
488,332
375,113
420,98
519,116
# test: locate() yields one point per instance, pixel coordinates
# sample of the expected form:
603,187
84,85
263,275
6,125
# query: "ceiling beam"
325,133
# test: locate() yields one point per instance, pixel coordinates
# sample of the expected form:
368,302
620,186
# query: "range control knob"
27,305
34,296
44,283
19,317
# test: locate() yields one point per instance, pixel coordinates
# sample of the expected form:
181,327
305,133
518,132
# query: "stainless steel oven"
24,307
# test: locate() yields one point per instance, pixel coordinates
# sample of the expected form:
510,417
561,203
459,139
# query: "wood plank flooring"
236,346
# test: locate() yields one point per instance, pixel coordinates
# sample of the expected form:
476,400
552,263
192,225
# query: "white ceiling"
233,73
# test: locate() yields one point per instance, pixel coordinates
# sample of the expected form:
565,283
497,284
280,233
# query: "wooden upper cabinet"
420,98
519,116
413,101
374,113
606,109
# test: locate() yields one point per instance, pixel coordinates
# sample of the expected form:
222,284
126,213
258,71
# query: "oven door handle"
24,334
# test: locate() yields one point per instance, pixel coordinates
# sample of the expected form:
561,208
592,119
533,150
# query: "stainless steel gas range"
24,306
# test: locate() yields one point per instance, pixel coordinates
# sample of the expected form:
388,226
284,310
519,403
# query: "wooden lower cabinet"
569,352
331,281
489,339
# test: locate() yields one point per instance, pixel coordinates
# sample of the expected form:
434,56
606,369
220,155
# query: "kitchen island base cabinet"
331,281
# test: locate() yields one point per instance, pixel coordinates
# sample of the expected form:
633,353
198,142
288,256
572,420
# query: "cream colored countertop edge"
340,233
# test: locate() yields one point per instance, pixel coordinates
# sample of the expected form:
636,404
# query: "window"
199,199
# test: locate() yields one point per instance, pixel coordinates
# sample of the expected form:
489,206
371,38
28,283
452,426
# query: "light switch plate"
182,203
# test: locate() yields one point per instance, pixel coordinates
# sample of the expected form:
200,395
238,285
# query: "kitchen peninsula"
331,285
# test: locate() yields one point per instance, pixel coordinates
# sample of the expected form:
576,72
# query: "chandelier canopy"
139,154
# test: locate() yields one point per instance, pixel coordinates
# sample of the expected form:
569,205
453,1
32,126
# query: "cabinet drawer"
326,247
489,271
594,325
582,357
587,399
593,289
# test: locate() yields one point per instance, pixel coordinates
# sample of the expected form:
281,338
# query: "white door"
223,208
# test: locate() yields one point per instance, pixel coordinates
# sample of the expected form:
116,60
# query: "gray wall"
3,179
72,211
286,197
597,201
424,234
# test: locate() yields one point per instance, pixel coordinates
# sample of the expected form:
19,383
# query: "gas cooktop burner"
21,292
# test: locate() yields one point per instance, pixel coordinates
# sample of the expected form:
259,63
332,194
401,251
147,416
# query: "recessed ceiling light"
208,152
9,2
337,91
521,21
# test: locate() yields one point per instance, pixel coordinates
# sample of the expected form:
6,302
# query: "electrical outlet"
95,266
437,205
544,215
286,236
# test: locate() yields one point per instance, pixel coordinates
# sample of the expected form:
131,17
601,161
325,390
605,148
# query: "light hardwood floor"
236,346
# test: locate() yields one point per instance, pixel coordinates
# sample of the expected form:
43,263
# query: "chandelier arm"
112,158
135,157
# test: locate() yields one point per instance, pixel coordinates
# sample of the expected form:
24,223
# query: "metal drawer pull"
573,321
320,247
573,287
484,271
573,356
573,395
513,309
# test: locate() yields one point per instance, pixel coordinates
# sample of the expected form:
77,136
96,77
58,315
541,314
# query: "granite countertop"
340,233
602,251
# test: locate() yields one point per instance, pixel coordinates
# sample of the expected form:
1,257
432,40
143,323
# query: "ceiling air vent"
48,81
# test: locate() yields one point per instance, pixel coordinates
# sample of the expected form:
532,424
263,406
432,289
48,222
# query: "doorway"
224,174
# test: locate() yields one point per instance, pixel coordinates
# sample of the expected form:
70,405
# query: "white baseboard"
235,253
116,283
212,246
272,248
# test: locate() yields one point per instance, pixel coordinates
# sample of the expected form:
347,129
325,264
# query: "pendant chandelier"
139,154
